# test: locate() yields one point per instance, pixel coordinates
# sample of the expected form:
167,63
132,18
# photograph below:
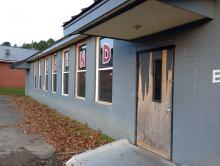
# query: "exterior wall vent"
7,52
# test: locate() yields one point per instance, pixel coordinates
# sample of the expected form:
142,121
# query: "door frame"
137,87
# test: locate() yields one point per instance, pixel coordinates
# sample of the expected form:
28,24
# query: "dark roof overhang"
20,65
131,19
58,45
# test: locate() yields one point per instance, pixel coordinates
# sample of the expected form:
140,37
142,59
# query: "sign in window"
81,71
54,73
40,68
105,70
65,75
46,72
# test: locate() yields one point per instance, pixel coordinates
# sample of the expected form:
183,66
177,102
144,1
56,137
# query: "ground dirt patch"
69,137
26,158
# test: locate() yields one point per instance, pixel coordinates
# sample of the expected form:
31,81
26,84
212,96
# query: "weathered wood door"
154,113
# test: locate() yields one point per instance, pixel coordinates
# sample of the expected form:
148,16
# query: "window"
65,72
40,74
81,71
157,79
54,74
104,70
35,75
46,74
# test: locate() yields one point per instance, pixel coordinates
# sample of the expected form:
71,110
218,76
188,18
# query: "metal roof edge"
6,61
20,65
48,47
86,10
45,51
15,64
58,45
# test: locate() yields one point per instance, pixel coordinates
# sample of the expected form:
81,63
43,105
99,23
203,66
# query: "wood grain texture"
154,118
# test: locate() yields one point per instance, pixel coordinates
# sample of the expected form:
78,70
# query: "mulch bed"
69,137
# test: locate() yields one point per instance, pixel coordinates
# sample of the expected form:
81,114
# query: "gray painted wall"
196,132
202,7
116,120
196,110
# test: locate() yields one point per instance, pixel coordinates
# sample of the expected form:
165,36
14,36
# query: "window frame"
63,72
52,73
46,73
40,74
79,71
35,75
97,73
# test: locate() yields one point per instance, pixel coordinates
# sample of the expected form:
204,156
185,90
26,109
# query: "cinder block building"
146,70
12,78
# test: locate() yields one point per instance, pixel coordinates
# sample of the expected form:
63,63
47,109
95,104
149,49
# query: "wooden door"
154,113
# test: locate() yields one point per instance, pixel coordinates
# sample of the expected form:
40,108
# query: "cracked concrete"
18,148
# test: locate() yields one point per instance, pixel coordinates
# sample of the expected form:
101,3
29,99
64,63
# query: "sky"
22,21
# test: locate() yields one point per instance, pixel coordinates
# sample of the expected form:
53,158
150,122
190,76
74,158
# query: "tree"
6,44
50,41
41,45
29,46
38,45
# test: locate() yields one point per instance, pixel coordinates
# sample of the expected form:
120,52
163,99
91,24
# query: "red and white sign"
106,53
55,65
47,66
82,59
41,67
66,59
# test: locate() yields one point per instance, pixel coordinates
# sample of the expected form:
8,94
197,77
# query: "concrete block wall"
196,133
196,109
116,120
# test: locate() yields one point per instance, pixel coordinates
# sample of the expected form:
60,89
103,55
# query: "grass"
12,91
104,138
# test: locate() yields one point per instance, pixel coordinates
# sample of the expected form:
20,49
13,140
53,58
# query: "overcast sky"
27,20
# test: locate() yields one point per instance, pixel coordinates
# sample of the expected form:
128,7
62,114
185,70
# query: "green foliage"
6,44
106,138
50,41
39,45
27,46
12,91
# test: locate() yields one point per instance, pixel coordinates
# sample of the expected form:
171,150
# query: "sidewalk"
119,153
18,148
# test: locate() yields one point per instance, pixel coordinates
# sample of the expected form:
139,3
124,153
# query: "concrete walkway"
119,153
18,148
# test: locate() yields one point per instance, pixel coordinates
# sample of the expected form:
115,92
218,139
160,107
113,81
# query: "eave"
132,19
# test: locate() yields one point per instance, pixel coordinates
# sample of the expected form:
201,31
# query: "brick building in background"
12,78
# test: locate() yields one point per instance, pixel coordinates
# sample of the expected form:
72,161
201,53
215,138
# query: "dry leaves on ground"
69,137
